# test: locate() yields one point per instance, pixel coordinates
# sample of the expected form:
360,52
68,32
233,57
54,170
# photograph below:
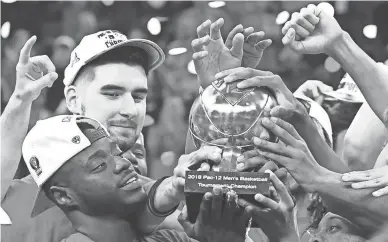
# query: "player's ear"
63,196
73,101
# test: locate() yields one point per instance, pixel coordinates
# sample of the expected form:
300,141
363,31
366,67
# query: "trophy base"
245,184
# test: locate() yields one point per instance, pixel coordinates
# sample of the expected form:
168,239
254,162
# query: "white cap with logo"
347,91
51,143
94,45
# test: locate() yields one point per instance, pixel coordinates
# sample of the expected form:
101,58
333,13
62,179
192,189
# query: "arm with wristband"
165,194
153,214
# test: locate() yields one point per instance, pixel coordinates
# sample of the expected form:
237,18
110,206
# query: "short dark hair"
132,56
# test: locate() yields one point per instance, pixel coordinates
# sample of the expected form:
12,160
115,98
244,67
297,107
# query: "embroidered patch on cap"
76,139
66,119
34,162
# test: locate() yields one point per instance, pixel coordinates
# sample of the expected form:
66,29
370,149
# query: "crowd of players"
88,181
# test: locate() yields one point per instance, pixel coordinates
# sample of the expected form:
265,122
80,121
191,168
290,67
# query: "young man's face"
137,156
334,228
103,183
117,98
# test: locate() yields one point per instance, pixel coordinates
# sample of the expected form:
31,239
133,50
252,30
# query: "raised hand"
210,53
311,31
254,45
220,218
374,178
276,218
33,73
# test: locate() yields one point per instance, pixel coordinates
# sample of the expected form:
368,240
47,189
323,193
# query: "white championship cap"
319,114
94,45
347,91
51,143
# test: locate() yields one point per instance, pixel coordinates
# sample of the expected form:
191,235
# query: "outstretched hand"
374,178
257,78
254,45
292,153
212,55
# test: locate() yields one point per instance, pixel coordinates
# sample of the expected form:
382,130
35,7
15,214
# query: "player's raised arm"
32,75
325,35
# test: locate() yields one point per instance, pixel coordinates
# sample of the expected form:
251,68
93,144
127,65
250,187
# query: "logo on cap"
111,37
66,119
34,162
75,60
76,139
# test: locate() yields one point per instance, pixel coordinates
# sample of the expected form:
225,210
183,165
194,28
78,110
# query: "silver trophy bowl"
228,117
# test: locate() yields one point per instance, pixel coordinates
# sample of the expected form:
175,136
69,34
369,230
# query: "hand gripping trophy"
228,117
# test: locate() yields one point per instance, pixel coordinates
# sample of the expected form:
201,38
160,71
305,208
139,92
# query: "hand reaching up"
212,55
33,73
254,45
311,31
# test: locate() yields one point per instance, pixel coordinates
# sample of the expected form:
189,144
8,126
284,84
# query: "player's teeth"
131,180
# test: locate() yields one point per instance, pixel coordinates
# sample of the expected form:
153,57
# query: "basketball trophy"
227,117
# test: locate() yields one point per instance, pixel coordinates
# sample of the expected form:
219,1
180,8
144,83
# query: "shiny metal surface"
226,116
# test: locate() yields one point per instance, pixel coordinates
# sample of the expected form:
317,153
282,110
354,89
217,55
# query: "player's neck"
101,229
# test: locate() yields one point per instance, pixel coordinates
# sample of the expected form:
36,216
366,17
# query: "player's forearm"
165,196
372,80
361,154
382,160
359,206
301,213
148,222
14,126
322,153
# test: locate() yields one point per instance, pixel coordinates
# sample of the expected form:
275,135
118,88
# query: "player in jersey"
79,168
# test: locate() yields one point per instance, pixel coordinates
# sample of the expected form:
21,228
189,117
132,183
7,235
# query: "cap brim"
344,97
317,112
156,55
41,203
